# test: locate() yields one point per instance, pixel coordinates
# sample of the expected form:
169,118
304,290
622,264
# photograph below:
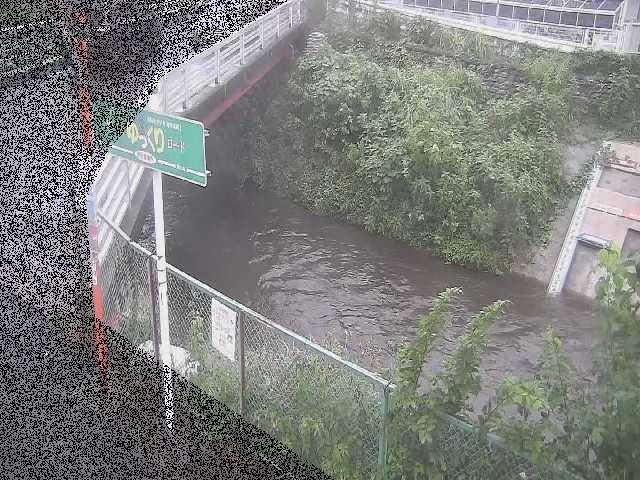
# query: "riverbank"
483,173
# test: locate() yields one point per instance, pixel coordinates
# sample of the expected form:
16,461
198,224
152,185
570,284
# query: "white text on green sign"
169,144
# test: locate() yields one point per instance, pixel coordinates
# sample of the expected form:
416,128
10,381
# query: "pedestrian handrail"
210,67
561,37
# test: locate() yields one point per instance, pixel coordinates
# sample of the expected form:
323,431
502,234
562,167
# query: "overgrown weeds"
430,153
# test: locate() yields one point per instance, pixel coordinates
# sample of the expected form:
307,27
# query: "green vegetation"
612,83
554,426
216,375
332,416
408,133
417,426
560,420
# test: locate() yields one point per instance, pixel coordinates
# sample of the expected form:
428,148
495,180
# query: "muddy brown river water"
321,277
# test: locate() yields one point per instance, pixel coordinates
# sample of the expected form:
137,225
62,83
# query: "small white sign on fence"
223,329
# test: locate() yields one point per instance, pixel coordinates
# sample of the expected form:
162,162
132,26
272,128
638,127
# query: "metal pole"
153,295
290,17
98,307
262,34
300,11
278,23
383,440
243,371
163,308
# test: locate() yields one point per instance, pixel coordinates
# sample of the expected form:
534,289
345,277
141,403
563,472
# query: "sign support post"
169,145
163,306
153,295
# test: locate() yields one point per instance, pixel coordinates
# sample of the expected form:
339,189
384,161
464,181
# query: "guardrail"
214,65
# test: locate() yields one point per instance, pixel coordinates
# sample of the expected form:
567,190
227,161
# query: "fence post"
217,66
243,376
163,307
383,440
153,295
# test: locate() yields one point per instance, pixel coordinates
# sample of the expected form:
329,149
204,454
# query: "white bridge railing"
217,63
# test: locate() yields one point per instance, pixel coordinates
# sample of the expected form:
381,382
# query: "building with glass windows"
566,24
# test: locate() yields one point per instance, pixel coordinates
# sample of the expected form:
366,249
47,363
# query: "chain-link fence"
331,412
125,282
302,394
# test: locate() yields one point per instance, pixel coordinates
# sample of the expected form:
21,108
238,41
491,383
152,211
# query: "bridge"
202,88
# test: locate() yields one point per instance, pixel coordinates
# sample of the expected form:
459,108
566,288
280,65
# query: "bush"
559,420
426,156
615,96
405,132
553,423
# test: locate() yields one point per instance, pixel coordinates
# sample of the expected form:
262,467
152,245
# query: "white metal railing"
218,62
562,37
113,192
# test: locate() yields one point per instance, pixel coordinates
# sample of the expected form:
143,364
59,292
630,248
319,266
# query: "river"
319,276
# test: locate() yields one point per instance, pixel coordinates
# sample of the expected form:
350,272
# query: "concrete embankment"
611,217
541,263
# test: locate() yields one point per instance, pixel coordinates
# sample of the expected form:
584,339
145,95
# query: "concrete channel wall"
610,217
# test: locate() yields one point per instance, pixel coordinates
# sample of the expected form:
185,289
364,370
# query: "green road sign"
169,144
